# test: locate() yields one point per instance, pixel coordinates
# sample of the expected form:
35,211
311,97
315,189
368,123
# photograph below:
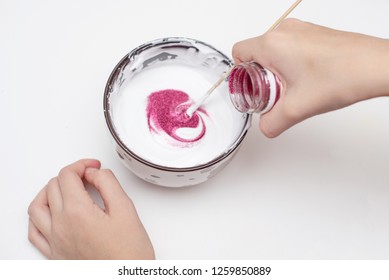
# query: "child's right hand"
321,70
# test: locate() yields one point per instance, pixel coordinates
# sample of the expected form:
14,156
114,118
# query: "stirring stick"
287,12
193,108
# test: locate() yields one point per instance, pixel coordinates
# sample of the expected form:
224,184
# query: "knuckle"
267,43
31,208
64,171
71,168
289,23
105,173
235,50
30,237
52,181
267,40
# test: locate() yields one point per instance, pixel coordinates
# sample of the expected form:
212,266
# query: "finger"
39,213
109,188
54,196
258,49
281,117
70,180
38,240
244,50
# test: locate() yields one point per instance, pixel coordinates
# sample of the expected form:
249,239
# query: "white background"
319,191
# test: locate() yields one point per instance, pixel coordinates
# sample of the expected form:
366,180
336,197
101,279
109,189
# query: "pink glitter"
250,88
240,81
166,112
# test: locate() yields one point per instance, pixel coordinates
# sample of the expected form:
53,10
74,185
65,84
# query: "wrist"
373,80
383,71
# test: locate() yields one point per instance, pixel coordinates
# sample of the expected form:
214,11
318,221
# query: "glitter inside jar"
253,89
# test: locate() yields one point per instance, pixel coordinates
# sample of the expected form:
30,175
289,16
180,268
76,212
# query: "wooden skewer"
287,12
196,105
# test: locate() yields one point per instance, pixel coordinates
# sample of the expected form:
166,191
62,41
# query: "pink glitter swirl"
166,112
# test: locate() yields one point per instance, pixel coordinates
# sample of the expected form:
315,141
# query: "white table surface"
319,191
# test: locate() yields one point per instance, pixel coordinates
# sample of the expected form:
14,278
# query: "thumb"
109,188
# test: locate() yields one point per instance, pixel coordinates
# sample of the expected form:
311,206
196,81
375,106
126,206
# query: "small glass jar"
253,89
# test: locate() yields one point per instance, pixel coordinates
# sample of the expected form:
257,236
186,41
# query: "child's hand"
321,70
65,223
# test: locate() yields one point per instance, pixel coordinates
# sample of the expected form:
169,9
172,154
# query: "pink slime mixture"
166,112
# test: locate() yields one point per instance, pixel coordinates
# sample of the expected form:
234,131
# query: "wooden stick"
287,12
196,105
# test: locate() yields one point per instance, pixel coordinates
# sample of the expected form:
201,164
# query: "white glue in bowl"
142,99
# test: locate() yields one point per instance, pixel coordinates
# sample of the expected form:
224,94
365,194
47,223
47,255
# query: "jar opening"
252,88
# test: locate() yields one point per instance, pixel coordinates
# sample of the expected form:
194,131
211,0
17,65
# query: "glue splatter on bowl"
166,116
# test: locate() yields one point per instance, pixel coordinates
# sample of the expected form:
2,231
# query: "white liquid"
223,124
